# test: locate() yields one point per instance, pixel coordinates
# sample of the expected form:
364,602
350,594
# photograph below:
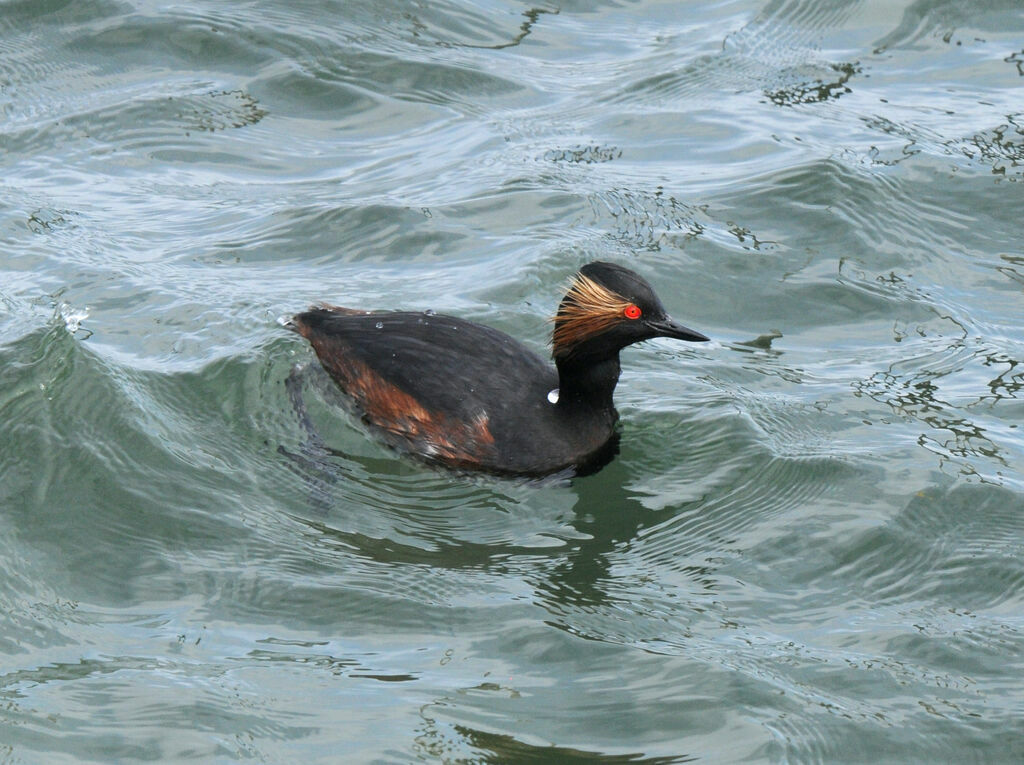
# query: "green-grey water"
811,546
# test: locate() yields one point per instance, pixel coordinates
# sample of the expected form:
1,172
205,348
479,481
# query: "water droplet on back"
379,325
553,395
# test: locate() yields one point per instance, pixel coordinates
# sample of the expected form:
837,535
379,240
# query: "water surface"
811,546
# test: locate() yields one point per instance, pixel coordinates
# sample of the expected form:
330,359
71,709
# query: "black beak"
669,327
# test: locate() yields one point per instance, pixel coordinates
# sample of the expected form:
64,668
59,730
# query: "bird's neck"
589,383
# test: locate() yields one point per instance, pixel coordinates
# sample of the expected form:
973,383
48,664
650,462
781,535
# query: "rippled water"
811,546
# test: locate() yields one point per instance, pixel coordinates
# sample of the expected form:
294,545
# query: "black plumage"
471,397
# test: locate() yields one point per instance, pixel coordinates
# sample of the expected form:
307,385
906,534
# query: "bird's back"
450,390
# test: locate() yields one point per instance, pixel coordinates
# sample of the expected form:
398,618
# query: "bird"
470,398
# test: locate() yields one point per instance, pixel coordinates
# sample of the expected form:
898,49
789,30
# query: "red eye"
632,312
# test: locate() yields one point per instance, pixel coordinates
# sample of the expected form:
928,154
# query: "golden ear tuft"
588,309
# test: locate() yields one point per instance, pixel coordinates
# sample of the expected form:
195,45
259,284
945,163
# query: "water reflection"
815,89
1002,147
940,388
436,739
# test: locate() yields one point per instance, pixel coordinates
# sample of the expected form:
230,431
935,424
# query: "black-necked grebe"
472,398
